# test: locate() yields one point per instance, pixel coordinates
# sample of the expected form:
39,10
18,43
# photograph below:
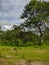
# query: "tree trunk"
40,39
40,36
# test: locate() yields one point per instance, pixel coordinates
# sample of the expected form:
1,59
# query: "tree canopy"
36,15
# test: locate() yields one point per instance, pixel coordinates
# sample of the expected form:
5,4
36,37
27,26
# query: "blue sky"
10,10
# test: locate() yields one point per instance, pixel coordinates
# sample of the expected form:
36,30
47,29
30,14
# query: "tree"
0,27
17,28
36,15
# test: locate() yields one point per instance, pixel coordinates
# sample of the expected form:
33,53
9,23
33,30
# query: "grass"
10,54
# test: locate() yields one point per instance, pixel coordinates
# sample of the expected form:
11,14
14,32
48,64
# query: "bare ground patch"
23,62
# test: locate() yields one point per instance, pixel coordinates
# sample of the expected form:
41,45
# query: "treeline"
17,37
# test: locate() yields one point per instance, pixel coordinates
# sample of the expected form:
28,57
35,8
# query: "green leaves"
36,14
36,11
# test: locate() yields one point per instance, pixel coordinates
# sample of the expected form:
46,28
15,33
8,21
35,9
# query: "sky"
10,11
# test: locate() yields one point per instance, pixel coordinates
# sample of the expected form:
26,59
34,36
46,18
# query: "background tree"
36,15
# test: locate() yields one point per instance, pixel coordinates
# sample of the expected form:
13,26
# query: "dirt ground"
23,62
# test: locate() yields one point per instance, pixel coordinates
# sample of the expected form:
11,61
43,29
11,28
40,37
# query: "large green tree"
36,15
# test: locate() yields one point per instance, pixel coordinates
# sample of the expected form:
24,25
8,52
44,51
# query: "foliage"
17,37
36,14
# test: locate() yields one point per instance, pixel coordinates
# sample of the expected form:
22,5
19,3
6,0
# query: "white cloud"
10,10
11,7
6,27
4,22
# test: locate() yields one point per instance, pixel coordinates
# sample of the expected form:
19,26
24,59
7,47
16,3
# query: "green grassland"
10,54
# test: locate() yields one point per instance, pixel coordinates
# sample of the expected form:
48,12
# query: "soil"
23,62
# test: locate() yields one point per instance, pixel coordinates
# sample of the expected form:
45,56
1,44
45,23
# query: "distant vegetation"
17,37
